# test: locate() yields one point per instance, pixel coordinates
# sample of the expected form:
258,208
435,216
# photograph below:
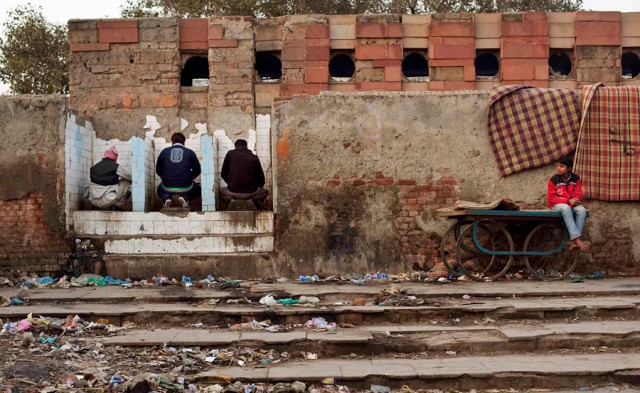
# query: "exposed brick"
393,30
542,72
525,29
384,86
371,52
89,47
316,31
216,32
315,88
342,86
317,42
370,30
342,19
117,24
395,52
121,35
415,43
458,41
196,45
415,30
316,53
289,89
535,16
453,51
598,33
598,16
230,43
525,61
393,74
194,30
449,29
518,72
386,63
268,33
451,62
518,50
316,75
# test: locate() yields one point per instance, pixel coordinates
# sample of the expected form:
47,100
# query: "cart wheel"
548,237
448,247
479,265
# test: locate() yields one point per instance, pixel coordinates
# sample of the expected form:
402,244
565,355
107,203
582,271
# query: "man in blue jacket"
177,166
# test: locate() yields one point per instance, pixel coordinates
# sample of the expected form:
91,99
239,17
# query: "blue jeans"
190,195
573,218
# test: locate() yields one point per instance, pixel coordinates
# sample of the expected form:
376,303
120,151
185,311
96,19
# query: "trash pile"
48,330
394,296
269,300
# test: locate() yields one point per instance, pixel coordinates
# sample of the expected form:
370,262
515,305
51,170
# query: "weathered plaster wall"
32,182
360,177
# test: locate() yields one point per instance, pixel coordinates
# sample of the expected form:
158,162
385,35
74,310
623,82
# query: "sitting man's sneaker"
183,202
167,203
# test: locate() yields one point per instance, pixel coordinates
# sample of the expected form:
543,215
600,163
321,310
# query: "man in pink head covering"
110,182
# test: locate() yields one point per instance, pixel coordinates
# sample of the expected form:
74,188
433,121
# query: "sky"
60,11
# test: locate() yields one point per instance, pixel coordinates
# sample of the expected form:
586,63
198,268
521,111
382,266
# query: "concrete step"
231,264
456,309
189,244
385,339
328,292
521,371
100,223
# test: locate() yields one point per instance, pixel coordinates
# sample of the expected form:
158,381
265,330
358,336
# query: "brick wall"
360,194
132,65
418,248
26,242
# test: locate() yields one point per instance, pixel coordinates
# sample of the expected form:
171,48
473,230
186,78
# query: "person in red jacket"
564,194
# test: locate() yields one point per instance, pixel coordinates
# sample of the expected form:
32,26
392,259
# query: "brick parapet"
525,48
100,79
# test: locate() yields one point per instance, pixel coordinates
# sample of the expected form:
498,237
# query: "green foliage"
271,8
33,53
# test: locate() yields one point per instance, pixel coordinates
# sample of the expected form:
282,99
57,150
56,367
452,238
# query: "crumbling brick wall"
361,177
32,183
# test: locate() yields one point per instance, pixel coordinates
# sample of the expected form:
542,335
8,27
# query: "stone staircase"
501,335
176,243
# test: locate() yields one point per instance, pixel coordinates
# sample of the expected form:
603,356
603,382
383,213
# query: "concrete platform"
507,371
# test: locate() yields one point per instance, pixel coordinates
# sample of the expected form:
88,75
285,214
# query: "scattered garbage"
268,300
380,389
319,323
466,297
309,300
313,278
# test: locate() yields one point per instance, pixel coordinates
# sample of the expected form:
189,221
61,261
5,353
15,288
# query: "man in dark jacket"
177,166
243,173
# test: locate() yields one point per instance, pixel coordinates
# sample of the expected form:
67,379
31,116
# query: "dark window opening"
415,65
487,65
630,65
268,66
197,67
560,64
341,67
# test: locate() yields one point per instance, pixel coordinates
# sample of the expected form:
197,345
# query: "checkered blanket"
530,127
608,152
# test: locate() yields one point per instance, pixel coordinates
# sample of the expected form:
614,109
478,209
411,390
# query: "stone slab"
454,367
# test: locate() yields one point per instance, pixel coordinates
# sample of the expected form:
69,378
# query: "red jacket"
560,190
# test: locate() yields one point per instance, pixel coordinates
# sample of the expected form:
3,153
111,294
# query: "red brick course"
26,242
